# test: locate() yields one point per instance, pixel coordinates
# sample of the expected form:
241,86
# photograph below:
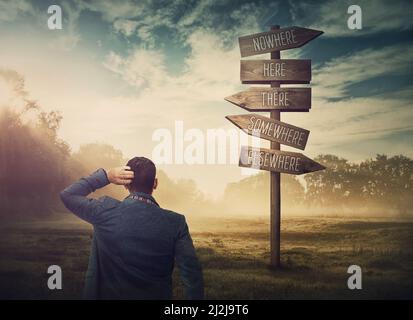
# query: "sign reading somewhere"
284,71
268,99
276,160
273,40
270,129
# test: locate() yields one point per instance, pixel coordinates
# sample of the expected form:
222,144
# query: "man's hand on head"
120,175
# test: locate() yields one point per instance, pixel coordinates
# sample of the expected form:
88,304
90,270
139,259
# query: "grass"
316,253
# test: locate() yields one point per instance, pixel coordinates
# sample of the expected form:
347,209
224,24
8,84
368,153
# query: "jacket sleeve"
189,267
74,197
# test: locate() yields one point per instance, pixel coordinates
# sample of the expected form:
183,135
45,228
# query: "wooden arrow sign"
270,129
278,161
275,40
267,71
269,99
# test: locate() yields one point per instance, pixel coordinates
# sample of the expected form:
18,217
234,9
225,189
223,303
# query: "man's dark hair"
144,171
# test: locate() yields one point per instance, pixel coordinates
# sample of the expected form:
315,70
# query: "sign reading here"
267,71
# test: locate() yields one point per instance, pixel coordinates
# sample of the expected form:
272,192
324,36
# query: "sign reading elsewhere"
270,129
282,70
280,39
268,99
277,161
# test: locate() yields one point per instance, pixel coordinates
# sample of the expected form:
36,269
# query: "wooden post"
275,189
257,72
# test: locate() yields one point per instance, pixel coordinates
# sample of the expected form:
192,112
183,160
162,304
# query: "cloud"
31,17
68,38
125,26
332,79
356,120
149,66
65,42
331,16
11,9
210,61
136,92
225,21
159,98
181,18
209,73
142,68
112,10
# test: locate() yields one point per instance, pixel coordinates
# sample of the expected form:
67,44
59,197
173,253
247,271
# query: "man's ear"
155,184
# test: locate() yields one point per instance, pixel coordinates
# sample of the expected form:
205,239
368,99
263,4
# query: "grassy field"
316,253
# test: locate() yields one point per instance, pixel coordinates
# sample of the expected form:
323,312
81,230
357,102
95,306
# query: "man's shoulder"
108,203
173,215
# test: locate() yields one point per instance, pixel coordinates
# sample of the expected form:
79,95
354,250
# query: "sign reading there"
268,99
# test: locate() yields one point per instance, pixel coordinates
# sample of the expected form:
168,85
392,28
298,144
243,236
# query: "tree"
251,195
333,185
389,181
33,161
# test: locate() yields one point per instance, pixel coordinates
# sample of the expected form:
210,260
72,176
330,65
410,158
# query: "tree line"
374,186
35,165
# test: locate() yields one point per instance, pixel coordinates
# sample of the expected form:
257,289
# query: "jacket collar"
143,195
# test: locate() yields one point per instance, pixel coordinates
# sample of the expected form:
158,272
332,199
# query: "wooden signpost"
270,129
278,161
283,71
276,40
268,99
275,72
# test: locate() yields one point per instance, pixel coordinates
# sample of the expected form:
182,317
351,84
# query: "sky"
119,71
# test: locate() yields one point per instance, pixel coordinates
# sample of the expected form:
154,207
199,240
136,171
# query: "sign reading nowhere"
273,40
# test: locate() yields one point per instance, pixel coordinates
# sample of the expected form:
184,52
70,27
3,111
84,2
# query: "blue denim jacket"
135,245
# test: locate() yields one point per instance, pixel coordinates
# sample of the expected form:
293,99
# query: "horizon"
118,73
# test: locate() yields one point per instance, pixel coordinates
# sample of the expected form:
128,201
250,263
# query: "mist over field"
36,164
350,213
